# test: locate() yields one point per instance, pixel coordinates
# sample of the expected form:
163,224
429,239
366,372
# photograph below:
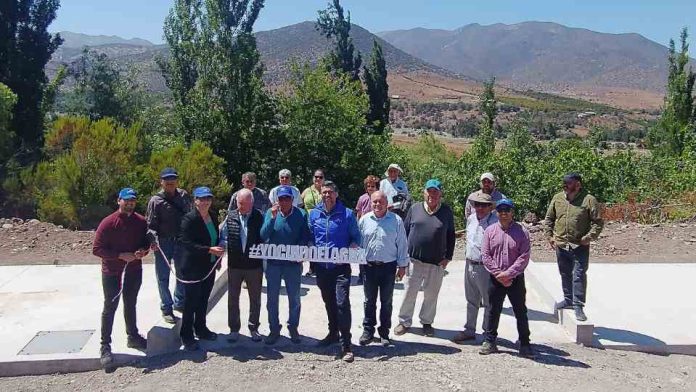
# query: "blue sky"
658,20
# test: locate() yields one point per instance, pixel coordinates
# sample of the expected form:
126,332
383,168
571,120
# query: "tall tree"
488,103
215,74
7,101
25,48
377,89
334,24
676,125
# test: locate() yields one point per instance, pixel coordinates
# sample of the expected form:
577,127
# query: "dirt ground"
404,367
34,242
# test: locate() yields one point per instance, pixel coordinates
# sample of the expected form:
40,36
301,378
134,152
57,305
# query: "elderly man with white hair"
240,232
285,179
488,181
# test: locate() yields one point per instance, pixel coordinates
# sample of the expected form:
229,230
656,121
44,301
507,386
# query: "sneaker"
105,357
400,329
234,336
137,342
255,336
527,351
294,335
347,355
272,338
309,274
428,330
488,348
463,336
580,314
366,338
207,335
328,340
191,345
169,318
385,341
563,305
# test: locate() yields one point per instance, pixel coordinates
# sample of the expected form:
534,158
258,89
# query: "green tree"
675,129
324,120
51,91
335,25
377,89
488,104
25,48
102,90
8,99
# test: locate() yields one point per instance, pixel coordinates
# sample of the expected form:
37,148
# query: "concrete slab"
641,307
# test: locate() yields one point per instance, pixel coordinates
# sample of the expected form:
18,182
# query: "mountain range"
540,56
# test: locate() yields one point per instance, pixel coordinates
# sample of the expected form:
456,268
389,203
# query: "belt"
472,262
375,262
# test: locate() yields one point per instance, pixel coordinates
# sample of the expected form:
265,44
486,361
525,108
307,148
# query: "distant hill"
77,40
541,56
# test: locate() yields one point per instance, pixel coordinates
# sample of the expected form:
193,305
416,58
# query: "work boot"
463,336
400,329
580,314
366,338
137,342
105,357
488,348
527,351
428,330
294,335
330,339
272,338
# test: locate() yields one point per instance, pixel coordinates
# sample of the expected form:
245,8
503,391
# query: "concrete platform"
60,298
640,307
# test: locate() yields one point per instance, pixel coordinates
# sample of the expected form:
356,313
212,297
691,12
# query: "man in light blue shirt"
384,238
476,277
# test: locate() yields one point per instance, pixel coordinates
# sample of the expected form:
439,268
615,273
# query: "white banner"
298,253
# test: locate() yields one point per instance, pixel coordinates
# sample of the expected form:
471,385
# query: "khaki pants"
428,276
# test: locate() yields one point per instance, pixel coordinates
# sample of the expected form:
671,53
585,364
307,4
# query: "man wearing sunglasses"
505,254
285,179
573,220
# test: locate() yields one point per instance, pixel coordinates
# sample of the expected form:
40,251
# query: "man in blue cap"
430,230
121,242
164,212
505,253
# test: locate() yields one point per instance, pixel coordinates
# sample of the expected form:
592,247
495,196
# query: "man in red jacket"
121,242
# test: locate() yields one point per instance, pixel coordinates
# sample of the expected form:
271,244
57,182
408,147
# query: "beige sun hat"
481,197
393,166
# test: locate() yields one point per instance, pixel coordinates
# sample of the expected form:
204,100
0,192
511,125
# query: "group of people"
399,238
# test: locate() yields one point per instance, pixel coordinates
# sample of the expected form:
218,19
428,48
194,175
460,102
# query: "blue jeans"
379,279
171,248
334,284
573,264
291,273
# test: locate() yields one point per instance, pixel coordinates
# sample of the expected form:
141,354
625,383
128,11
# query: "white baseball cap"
487,175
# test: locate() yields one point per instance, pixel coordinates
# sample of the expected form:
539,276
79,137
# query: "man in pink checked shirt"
505,253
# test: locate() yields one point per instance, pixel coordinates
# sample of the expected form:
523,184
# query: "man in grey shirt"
164,213
476,277
488,186
383,236
261,201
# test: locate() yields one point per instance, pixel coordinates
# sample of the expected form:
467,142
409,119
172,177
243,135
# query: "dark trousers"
517,294
112,285
378,279
573,265
254,281
334,284
196,297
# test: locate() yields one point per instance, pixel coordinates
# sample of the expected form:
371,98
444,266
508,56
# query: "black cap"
572,176
168,173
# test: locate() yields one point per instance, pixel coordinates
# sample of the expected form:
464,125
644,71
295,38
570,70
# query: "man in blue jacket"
334,226
287,225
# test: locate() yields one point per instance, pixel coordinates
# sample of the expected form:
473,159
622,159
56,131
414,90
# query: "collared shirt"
429,211
261,201
296,199
164,214
384,238
506,250
474,234
570,222
392,189
244,227
469,208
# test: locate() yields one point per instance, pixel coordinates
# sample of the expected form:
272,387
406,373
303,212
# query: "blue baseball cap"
433,183
127,194
202,191
284,191
168,173
504,202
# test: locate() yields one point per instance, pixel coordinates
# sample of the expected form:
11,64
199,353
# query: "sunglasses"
504,209
318,177
477,204
284,177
